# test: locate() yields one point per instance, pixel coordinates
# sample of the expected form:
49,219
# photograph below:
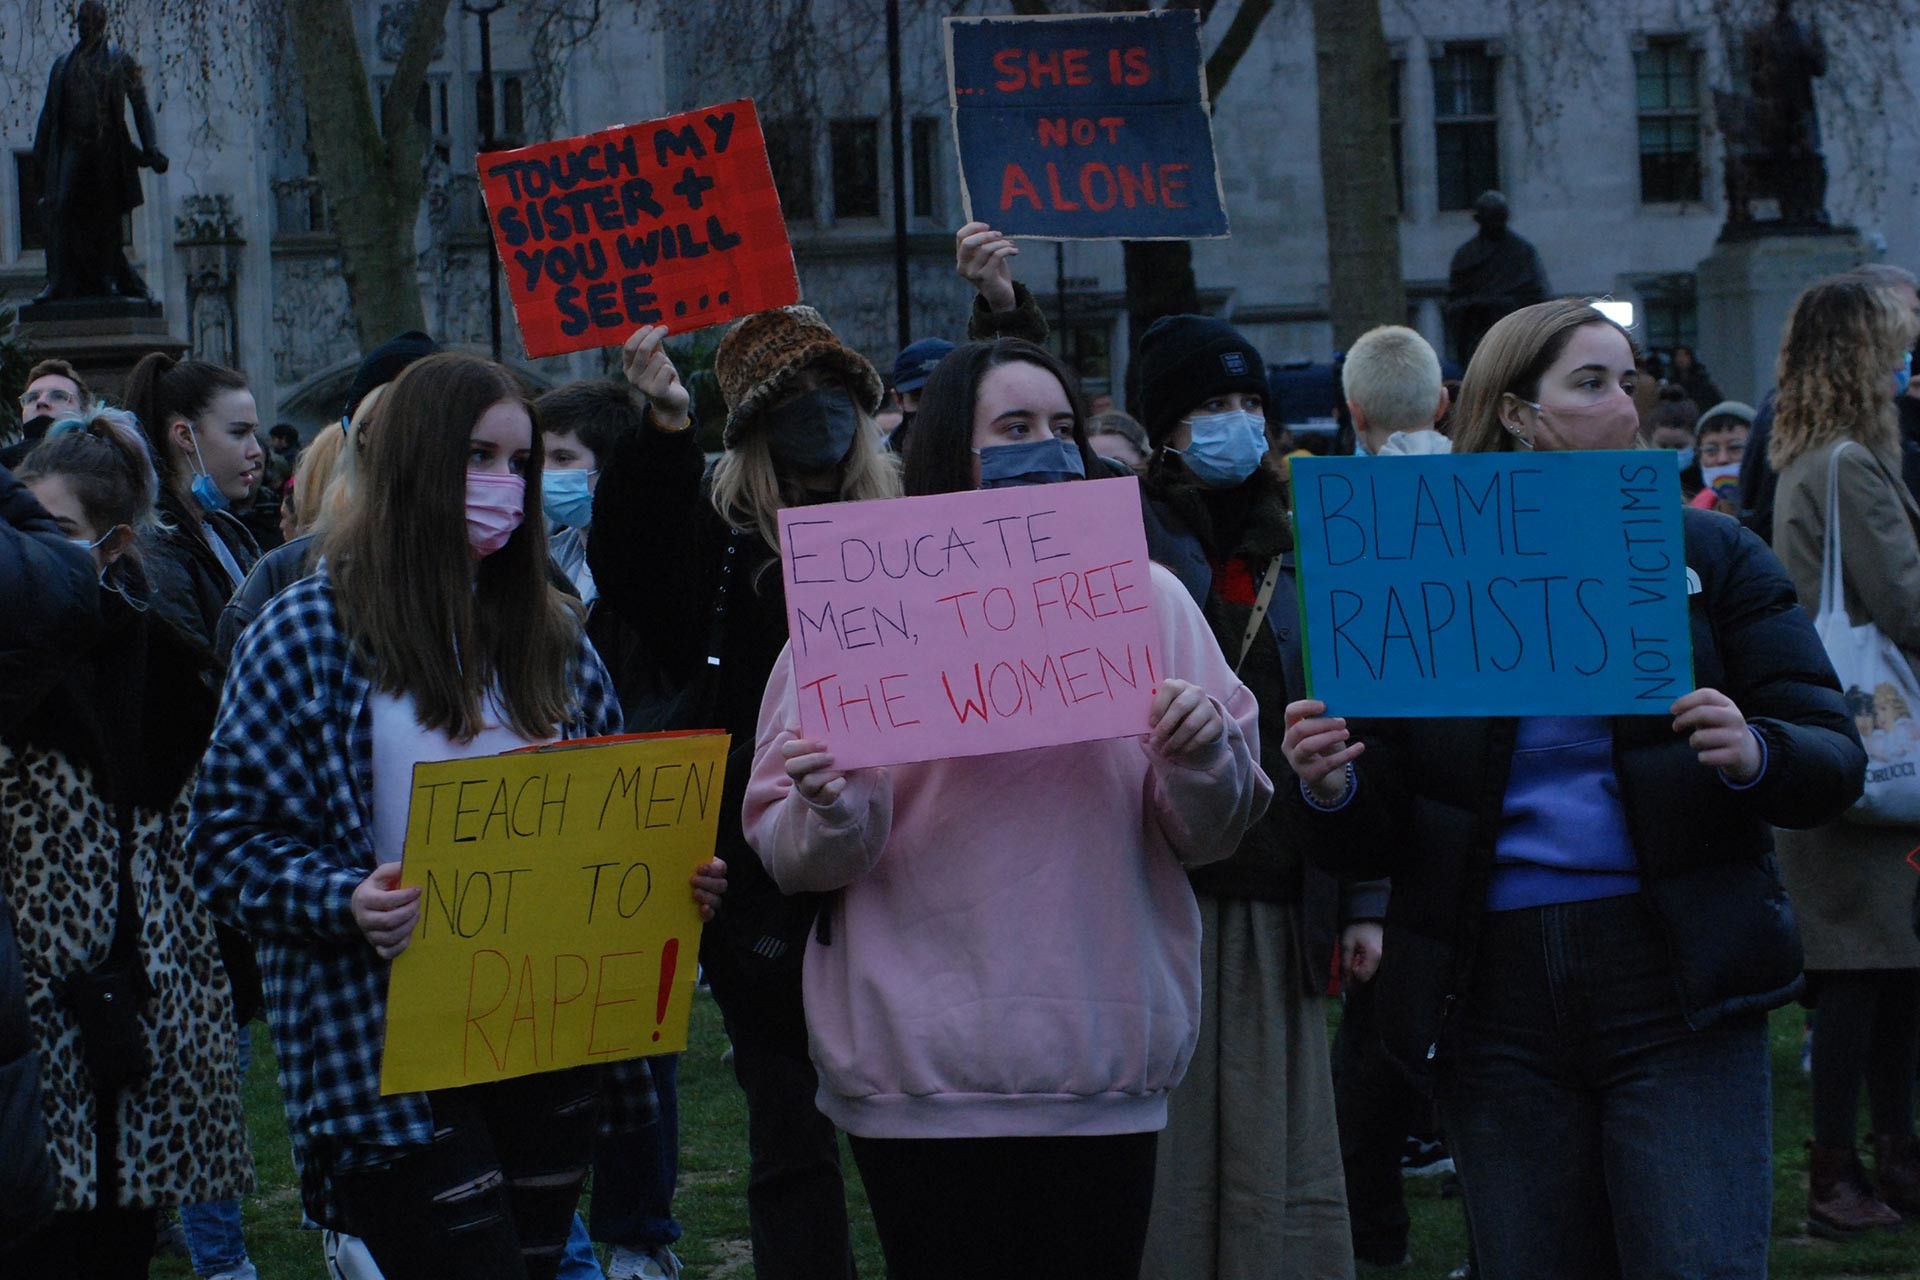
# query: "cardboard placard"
968,623
1085,128
556,924
673,222
1493,584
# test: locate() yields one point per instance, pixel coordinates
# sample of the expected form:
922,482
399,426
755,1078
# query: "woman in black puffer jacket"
1587,925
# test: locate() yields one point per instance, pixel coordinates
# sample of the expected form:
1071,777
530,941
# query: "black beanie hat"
384,363
1187,360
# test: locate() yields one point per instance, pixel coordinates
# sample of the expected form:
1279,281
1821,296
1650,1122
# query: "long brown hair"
161,389
428,622
1843,340
1512,359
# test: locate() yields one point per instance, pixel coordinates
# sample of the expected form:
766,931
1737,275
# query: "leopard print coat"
182,1130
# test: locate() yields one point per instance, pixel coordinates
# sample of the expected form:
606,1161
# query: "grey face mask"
812,432
1005,466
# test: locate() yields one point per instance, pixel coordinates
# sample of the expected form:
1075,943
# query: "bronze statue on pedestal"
89,167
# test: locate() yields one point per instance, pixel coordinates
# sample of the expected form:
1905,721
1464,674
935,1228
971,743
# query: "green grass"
711,1204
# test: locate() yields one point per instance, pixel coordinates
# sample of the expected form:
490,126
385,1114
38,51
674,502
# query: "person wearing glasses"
55,390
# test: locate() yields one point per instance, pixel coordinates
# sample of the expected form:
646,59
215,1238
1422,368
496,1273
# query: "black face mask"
813,432
35,428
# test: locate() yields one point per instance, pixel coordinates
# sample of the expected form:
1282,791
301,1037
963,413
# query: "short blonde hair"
1393,375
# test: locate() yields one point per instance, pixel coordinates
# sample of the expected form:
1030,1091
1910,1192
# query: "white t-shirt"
399,743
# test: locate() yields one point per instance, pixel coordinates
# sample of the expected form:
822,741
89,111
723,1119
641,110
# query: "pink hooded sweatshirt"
1017,950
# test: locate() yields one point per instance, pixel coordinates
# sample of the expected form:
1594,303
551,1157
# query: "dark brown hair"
161,389
426,620
105,462
599,411
940,445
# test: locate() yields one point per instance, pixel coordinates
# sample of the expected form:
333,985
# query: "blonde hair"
1843,340
1393,376
748,492
343,486
1511,360
313,476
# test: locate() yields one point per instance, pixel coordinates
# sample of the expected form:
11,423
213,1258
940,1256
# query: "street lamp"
483,102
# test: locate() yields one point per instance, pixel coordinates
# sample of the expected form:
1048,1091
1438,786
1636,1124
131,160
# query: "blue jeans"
578,1263
634,1173
214,1238
1594,1133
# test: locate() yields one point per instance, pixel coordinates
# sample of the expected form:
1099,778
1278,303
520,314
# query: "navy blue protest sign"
1085,128
1508,584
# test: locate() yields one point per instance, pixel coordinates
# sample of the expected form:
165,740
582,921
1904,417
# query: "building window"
1667,80
790,155
429,108
1466,124
926,172
1087,349
509,111
856,168
1396,118
1670,318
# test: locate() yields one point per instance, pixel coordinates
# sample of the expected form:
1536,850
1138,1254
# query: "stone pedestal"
1745,289
103,338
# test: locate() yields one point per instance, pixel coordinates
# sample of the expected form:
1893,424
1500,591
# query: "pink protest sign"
968,623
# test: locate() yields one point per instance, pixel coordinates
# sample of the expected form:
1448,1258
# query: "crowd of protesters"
1069,1006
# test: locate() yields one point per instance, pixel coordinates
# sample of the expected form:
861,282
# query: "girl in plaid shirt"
431,631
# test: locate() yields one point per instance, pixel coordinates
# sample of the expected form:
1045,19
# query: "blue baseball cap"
913,365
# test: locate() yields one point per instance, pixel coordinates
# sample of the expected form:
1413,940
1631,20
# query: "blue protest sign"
1507,584
1085,128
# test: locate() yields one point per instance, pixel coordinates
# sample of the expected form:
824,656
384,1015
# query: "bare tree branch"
1234,44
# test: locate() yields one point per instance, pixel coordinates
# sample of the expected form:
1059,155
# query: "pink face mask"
495,503
1609,424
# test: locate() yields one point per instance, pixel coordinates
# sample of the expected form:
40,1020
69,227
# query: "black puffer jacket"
1426,811
50,591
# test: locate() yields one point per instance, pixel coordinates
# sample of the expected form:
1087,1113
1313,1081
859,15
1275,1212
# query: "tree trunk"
369,170
1356,168
1160,272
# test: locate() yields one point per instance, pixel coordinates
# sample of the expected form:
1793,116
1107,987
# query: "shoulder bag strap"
1832,600
1261,603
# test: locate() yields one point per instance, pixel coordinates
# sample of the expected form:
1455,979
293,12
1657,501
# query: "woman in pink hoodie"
1011,985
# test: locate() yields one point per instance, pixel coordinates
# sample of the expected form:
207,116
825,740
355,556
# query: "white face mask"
1724,480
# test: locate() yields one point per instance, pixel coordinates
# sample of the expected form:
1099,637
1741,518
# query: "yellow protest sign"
556,925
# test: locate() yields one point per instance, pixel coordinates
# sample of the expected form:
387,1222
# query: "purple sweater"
1563,832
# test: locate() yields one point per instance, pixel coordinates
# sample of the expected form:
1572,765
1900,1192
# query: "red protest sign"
673,222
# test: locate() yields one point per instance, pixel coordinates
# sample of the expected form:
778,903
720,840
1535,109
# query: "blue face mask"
1685,455
205,491
1226,447
567,498
1006,466
1903,375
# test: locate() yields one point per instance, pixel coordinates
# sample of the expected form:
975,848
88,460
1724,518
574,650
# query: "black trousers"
492,1196
100,1244
1377,1107
1063,1208
796,1197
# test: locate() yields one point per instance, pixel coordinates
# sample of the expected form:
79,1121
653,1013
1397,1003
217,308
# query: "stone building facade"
1602,136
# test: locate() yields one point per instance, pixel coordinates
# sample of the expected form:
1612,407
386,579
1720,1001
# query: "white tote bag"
1878,682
